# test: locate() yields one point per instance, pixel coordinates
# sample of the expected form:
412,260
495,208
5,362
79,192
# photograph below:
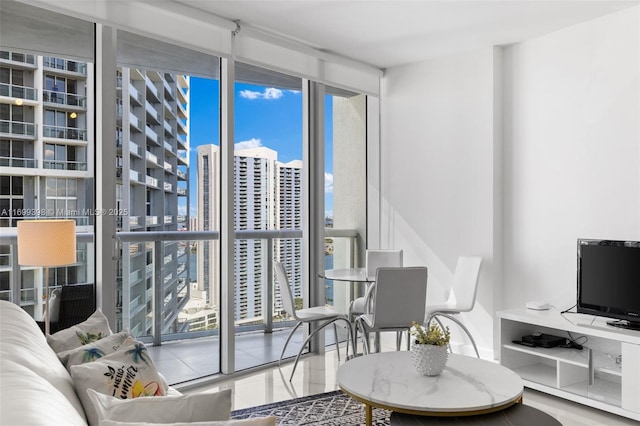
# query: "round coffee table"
467,386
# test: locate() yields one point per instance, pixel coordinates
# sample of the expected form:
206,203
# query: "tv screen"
609,280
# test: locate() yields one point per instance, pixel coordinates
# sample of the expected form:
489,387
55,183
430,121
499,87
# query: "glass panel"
162,295
268,198
31,194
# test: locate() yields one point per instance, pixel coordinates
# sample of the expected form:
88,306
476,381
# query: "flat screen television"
609,280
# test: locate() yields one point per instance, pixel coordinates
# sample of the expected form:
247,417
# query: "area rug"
331,408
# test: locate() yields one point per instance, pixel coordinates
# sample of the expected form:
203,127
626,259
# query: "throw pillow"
125,374
196,407
94,328
92,351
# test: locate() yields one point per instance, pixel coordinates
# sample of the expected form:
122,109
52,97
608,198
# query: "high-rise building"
268,195
152,138
46,162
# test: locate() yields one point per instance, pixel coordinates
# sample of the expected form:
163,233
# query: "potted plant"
429,348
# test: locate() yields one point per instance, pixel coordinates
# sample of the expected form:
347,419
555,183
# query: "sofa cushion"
94,328
35,388
196,407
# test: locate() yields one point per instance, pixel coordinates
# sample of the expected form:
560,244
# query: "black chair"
77,303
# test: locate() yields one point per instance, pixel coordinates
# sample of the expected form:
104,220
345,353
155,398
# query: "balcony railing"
21,92
18,57
63,98
270,244
18,162
18,128
64,165
65,65
59,132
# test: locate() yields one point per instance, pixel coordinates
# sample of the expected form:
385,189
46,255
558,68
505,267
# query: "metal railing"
15,91
18,128
269,237
60,132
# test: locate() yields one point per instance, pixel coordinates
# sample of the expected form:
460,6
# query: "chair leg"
335,333
304,344
293,330
462,326
365,335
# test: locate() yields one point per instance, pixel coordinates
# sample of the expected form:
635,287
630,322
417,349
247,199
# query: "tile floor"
316,374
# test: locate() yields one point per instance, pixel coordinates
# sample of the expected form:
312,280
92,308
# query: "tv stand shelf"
604,374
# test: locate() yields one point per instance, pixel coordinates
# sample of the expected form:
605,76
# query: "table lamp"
49,242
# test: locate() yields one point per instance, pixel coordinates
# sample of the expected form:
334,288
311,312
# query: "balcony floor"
183,360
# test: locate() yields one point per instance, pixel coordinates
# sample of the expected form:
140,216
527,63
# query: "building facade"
46,163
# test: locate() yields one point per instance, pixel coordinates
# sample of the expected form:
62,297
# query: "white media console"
604,374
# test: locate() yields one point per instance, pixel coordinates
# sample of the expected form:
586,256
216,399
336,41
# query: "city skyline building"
152,140
46,162
268,196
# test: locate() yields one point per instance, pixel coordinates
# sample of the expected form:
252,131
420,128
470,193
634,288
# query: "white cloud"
251,143
328,182
249,94
272,93
268,93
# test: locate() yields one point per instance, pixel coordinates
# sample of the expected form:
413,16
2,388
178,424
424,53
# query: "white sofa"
35,388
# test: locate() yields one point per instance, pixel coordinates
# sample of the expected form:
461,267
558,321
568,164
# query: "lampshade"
46,242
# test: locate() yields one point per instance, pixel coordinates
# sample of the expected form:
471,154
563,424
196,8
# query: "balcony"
65,65
135,149
168,167
18,162
65,165
151,135
18,57
70,133
62,98
19,92
151,181
181,191
168,187
152,158
152,112
18,128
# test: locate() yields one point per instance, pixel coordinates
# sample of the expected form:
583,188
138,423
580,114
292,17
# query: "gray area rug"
331,408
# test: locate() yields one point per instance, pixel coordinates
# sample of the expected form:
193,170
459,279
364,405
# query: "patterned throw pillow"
127,373
94,328
96,350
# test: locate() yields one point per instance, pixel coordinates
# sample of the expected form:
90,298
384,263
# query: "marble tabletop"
466,386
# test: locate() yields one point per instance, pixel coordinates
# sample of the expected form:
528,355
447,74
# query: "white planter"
429,360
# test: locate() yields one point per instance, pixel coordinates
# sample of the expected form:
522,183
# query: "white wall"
518,151
437,171
572,152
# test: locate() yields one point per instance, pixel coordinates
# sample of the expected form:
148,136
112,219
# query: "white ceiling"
387,33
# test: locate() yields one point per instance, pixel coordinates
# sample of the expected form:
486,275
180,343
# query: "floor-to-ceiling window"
167,111
166,162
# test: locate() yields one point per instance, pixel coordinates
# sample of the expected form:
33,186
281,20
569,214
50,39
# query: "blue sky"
265,116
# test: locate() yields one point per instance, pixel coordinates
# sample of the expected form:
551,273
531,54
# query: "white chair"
373,260
399,298
323,315
462,296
